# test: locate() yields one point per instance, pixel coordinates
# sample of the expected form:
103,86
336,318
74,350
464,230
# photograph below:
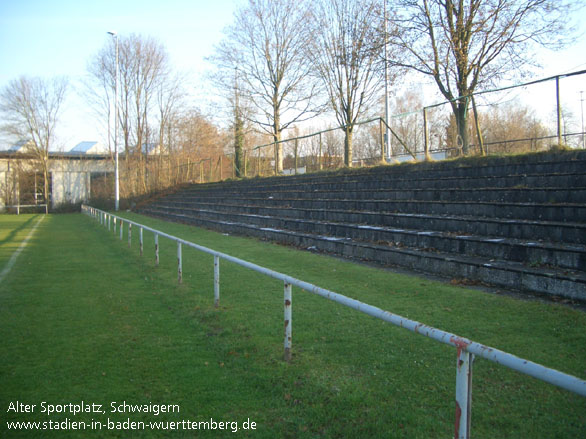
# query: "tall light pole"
387,122
582,111
116,173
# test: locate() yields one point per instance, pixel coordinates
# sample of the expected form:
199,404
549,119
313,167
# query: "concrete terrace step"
500,273
492,167
369,182
515,222
509,195
524,211
492,227
535,252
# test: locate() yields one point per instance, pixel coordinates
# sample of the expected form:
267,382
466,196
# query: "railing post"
115,225
156,249
463,394
287,305
109,222
141,241
121,229
129,235
179,263
216,281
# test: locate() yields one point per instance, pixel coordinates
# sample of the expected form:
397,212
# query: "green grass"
84,318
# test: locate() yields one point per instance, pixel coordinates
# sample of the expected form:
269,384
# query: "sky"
48,38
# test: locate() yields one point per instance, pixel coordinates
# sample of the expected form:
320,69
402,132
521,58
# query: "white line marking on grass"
23,244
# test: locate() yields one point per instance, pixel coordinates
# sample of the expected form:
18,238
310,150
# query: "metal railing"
467,349
19,206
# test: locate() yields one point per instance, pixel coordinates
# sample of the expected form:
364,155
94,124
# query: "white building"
71,175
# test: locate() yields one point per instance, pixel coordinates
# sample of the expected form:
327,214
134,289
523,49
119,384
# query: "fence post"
141,242
156,249
559,109
129,235
216,281
478,130
463,394
425,136
121,229
296,155
109,222
179,263
382,139
287,304
321,160
115,225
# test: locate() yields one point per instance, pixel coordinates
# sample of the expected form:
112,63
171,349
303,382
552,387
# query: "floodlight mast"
116,172
387,137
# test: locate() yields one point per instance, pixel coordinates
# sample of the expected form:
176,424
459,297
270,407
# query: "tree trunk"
348,147
278,152
461,113
238,147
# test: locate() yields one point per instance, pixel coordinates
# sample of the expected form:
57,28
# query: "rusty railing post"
121,229
156,249
287,300
463,394
179,263
141,242
216,281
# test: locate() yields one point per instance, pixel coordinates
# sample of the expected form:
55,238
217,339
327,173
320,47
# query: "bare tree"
467,45
515,125
148,94
30,108
266,43
342,53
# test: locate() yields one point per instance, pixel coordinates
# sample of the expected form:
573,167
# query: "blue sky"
58,37
49,38
53,37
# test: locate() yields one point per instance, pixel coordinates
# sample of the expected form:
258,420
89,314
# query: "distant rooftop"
82,148
19,146
89,147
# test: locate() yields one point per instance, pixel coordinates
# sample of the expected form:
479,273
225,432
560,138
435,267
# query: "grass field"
85,318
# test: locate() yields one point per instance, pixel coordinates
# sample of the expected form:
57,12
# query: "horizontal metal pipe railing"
19,206
543,373
467,349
